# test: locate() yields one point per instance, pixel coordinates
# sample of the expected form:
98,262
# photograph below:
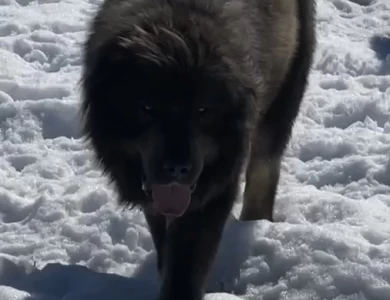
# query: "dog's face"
177,118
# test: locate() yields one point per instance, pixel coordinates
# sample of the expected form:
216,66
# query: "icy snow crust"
62,236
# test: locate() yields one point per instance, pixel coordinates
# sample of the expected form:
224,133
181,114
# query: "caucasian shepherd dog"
182,96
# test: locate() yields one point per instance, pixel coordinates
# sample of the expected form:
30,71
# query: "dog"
182,97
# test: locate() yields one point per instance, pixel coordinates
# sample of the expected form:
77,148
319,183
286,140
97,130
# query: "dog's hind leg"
274,130
262,177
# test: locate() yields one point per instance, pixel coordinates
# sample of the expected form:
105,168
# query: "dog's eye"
148,108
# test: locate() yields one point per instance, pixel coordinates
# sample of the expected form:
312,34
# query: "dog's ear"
132,50
105,60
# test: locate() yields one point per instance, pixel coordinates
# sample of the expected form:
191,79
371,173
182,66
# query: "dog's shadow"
74,282
381,46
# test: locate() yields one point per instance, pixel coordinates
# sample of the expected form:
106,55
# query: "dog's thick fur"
209,84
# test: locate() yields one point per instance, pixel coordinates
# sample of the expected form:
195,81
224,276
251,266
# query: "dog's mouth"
172,199
147,189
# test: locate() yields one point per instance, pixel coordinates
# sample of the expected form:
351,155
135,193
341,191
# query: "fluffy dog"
182,96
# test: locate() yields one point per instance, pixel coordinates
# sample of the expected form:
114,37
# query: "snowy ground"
59,216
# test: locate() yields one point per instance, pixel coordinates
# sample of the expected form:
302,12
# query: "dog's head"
168,102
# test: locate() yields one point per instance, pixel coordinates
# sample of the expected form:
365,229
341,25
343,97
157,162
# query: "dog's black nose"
177,170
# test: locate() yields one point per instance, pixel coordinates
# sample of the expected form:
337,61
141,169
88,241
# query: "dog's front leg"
190,247
157,227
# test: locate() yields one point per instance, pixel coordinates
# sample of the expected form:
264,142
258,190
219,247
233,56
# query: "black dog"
180,96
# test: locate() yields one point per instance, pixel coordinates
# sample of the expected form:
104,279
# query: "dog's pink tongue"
171,199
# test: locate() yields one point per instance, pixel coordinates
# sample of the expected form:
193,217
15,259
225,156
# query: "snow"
62,236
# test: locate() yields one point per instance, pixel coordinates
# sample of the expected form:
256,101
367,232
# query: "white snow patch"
63,236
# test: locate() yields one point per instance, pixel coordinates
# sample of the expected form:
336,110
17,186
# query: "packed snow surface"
62,236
